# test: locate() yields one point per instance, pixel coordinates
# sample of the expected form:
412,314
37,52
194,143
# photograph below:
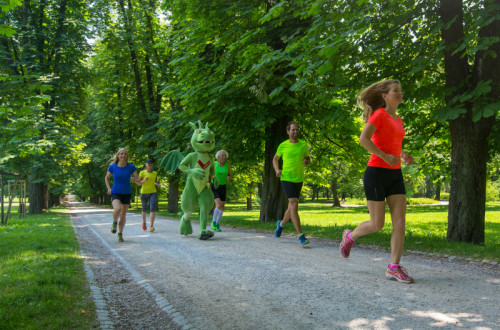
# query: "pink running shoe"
399,274
346,244
144,227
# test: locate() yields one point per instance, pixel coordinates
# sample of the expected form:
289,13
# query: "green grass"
426,226
42,277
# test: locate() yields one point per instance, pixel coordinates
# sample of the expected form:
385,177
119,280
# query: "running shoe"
120,237
279,229
303,240
113,227
215,226
346,244
152,229
144,227
399,274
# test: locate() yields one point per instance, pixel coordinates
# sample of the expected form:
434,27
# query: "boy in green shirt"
295,155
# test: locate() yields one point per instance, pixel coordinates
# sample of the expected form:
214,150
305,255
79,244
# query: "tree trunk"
438,190
469,139
315,190
173,194
468,183
45,196
335,194
273,201
249,196
54,200
35,192
133,57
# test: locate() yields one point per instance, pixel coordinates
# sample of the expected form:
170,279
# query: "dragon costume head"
203,139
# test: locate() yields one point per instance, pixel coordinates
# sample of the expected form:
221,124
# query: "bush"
492,191
445,195
420,201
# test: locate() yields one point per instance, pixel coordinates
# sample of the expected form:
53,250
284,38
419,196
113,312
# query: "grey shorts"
149,201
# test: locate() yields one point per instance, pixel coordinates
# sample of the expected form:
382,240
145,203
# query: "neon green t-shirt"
221,172
148,187
293,154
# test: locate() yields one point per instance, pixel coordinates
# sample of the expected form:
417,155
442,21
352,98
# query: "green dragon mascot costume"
199,167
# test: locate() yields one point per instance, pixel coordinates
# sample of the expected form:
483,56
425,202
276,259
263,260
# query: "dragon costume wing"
171,161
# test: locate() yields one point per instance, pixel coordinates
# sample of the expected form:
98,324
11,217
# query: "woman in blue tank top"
121,171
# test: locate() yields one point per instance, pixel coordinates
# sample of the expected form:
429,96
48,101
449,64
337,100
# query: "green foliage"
492,191
42,95
421,201
33,295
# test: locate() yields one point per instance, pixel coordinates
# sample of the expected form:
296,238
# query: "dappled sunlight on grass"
42,275
426,226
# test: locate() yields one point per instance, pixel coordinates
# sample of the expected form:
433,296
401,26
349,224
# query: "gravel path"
243,279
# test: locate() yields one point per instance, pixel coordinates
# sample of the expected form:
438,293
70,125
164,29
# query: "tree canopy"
83,78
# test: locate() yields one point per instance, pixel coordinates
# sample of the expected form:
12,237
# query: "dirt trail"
244,279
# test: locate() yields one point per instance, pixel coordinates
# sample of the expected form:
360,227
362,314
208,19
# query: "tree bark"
335,194
45,196
438,190
273,201
469,139
35,193
173,194
249,196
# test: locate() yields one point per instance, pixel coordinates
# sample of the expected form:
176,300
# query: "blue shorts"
152,200
382,182
292,189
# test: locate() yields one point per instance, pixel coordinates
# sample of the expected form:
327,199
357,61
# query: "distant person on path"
382,136
295,154
223,172
121,171
149,196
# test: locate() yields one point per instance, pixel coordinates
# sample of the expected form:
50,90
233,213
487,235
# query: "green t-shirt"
148,187
293,154
221,172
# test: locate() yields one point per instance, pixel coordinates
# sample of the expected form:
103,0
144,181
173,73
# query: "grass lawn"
42,277
425,230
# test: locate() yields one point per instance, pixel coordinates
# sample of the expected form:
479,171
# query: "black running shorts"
220,192
123,198
382,182
292,189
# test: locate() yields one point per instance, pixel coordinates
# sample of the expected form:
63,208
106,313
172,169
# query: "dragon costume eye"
198,132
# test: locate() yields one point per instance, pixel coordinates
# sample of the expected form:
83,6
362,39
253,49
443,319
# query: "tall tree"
45,105
473,99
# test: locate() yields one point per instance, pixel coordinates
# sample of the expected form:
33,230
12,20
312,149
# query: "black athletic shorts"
292,189
123,198
220,192
382,182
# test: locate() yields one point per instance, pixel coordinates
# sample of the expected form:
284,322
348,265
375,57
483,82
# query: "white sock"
216,215
219,216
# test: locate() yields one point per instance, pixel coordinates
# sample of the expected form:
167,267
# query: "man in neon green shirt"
295,155
148,194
